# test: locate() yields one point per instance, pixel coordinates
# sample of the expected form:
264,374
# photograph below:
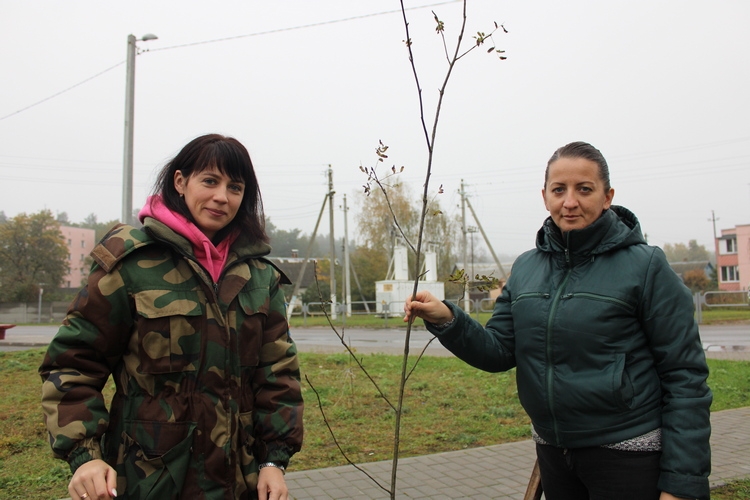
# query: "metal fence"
30,312
713,299
54,312
387,309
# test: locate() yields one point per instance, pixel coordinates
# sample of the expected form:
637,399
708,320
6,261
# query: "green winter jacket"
206,376
602,333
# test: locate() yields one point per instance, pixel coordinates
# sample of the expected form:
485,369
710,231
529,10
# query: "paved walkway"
494,472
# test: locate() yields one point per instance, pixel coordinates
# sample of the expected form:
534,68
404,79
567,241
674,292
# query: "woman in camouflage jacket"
188,318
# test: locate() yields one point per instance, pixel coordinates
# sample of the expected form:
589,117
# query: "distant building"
733,258
685,266
291,266
80,243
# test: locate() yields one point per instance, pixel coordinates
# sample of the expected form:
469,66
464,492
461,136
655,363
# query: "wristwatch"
273,464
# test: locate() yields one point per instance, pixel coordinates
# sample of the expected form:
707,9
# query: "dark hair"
581,150
229,157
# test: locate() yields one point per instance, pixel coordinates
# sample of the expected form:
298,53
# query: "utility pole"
487,240
127,167
713,219
331,192
467,301
472,230
347,279
300,276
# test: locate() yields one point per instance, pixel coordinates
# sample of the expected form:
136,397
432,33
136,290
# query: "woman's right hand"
428,307
94,480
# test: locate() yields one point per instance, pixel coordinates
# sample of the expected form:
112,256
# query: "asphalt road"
720,341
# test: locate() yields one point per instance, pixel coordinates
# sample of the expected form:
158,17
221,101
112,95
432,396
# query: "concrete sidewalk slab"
494,472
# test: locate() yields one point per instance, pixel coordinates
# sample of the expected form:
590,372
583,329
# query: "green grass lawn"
736,490
448,406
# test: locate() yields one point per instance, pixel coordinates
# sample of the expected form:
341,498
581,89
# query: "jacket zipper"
550,372
531,295
215,289
600,298
207,279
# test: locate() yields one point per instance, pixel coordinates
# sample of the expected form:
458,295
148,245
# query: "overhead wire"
224,39
304,26
63,91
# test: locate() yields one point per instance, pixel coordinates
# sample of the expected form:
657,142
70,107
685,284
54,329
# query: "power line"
225,39
304,26
63,91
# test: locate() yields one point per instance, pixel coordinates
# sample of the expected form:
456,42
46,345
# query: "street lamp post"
127,169
39,307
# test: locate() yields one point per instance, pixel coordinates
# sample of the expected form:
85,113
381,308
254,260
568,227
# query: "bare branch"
347,346
416,76
336,442
424,349
440,28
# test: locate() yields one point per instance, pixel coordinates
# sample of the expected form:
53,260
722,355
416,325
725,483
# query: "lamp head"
149,36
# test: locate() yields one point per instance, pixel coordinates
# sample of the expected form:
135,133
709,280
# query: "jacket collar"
242,248
617,227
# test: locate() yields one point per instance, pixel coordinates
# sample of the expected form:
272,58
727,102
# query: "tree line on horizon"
33,250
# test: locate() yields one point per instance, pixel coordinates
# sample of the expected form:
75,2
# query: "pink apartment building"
80,242
733,258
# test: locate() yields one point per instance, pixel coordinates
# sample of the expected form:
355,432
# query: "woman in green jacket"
188,318
610,366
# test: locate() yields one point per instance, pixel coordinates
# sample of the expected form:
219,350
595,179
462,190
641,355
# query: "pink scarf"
211,257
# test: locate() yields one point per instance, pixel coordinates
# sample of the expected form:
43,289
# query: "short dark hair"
584,150
229,157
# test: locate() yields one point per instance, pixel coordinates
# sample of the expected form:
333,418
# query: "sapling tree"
376,180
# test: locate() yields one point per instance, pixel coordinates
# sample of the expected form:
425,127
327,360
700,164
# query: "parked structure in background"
80,242
733,258
391,292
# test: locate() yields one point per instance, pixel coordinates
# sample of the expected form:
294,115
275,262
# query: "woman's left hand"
271,484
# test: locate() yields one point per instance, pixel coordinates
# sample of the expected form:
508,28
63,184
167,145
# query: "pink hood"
211,257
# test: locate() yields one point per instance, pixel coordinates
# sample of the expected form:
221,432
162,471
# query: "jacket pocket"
155,458
622,386
254,305
168,326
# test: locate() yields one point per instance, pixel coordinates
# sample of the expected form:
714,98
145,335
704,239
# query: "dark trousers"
598,473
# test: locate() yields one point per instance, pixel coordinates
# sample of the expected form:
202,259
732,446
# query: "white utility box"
391,294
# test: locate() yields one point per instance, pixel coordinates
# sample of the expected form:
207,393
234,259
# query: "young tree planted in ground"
376,181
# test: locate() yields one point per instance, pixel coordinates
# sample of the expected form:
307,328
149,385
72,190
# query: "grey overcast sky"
660,86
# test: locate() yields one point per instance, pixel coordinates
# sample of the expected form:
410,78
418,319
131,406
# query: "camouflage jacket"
206,377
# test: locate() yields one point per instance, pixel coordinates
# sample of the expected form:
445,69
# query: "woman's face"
575,195
212,198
